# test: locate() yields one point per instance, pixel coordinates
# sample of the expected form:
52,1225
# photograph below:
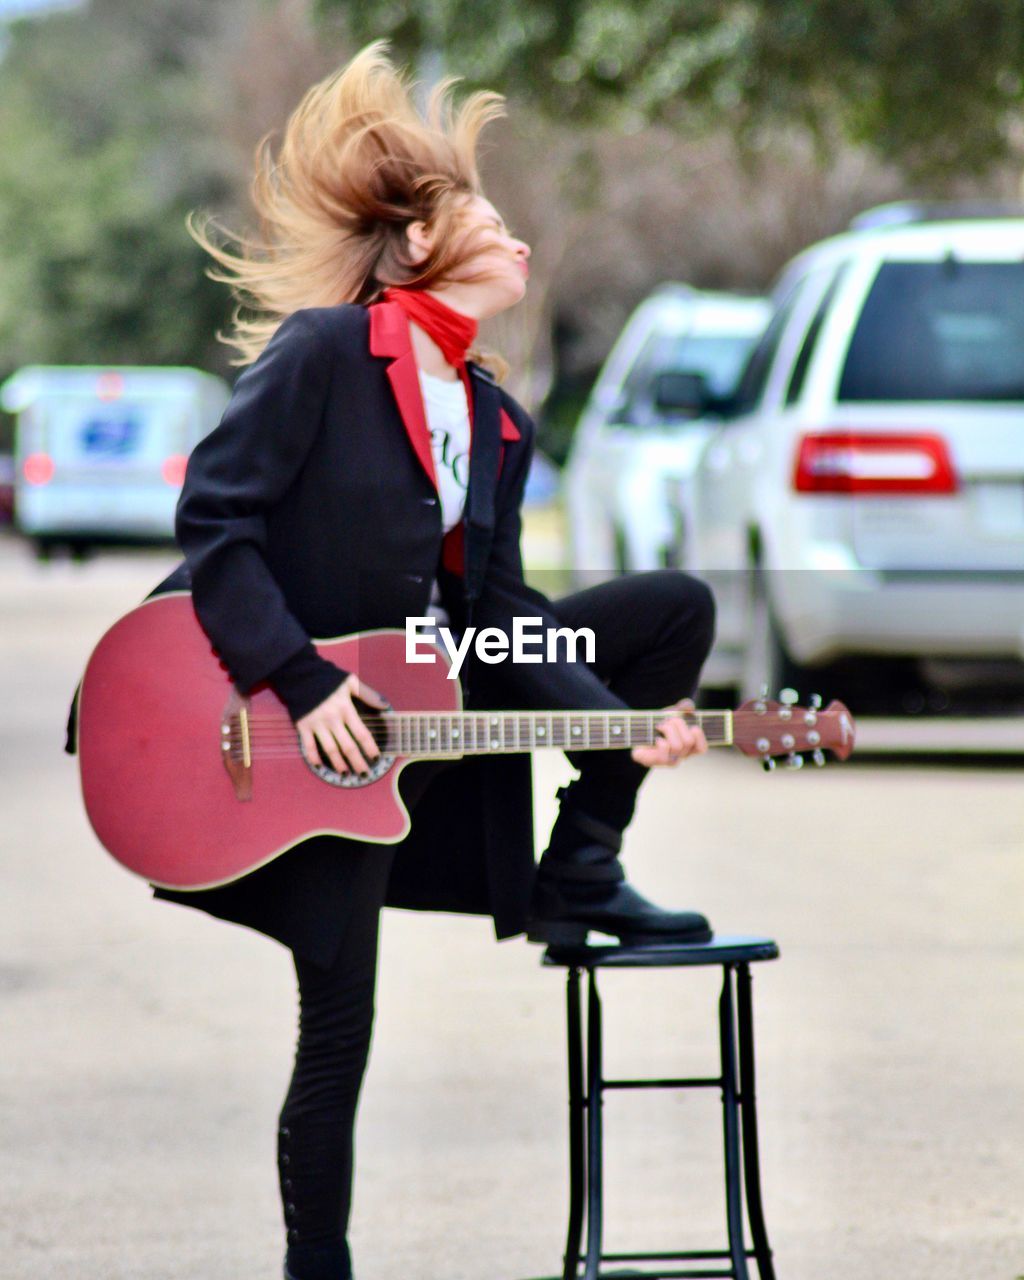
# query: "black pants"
653,632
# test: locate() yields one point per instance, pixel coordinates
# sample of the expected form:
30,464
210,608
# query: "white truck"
100,451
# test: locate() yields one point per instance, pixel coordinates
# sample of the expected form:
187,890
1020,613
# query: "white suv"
681,352
865,496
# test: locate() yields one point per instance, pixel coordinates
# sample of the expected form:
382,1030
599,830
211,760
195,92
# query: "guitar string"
635,736
510,719
256,718
476,743
511,733
283,753
481,742
402,733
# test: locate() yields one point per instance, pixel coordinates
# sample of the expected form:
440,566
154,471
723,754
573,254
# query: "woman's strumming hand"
336,727
676,740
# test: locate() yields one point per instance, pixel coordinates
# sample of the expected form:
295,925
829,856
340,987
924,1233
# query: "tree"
934,85
96,115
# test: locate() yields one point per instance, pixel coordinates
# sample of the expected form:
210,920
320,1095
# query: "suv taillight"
859,462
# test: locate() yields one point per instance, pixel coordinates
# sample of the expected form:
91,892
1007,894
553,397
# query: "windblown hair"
357,164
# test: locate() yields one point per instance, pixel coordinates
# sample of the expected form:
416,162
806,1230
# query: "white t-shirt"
448,423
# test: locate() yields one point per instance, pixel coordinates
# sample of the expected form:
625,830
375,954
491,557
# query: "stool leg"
594,1151
730,1122
751,1159
577,1169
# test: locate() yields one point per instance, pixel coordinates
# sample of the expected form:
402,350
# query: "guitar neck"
496,732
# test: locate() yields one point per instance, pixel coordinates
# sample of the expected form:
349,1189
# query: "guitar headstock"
766,728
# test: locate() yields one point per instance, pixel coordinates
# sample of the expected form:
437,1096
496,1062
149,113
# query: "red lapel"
389,336
509,430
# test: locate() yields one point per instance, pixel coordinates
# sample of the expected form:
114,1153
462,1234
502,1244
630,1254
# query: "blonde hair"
357,164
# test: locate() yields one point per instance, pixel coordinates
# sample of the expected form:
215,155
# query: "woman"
368,470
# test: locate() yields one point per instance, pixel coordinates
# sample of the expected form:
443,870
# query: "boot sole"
560,933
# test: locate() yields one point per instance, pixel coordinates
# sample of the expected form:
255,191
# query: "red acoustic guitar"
191,785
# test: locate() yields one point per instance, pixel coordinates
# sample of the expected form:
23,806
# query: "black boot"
289,1275
581,885
328,1262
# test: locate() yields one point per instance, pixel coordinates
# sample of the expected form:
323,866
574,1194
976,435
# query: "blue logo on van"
110,437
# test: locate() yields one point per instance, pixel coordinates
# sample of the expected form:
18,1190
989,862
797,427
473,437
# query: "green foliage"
97,172
932,84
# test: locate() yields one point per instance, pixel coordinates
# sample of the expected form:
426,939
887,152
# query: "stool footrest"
693,1082
689,1274
683,1255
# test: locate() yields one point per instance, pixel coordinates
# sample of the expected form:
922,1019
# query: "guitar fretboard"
468,733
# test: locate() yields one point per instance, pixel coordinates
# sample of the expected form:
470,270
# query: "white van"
100,451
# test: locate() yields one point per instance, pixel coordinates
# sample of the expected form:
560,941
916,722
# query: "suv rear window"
946,330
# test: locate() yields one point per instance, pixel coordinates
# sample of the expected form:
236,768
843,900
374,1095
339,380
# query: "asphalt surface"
146,1048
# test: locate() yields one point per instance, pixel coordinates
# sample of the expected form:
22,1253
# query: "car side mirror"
681,393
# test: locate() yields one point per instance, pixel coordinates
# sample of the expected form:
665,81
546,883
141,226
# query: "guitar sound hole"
326,772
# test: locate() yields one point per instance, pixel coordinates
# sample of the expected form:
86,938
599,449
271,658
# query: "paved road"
146,1048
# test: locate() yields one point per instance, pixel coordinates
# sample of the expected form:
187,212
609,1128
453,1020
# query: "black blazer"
310,511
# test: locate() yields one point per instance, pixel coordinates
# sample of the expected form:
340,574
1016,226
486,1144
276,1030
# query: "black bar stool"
587,1087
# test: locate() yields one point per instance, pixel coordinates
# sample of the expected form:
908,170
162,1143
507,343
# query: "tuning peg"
819,758
816,701
768,764
789,697
793,761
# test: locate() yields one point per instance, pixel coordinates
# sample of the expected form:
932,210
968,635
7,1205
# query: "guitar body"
153,701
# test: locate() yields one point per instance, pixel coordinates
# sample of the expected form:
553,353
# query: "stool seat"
735,1081
722,949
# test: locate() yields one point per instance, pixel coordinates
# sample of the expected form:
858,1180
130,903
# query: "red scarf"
450,329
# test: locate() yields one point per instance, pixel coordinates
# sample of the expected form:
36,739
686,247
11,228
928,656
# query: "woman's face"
494,278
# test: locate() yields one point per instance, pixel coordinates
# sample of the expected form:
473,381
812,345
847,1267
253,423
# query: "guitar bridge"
236,745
